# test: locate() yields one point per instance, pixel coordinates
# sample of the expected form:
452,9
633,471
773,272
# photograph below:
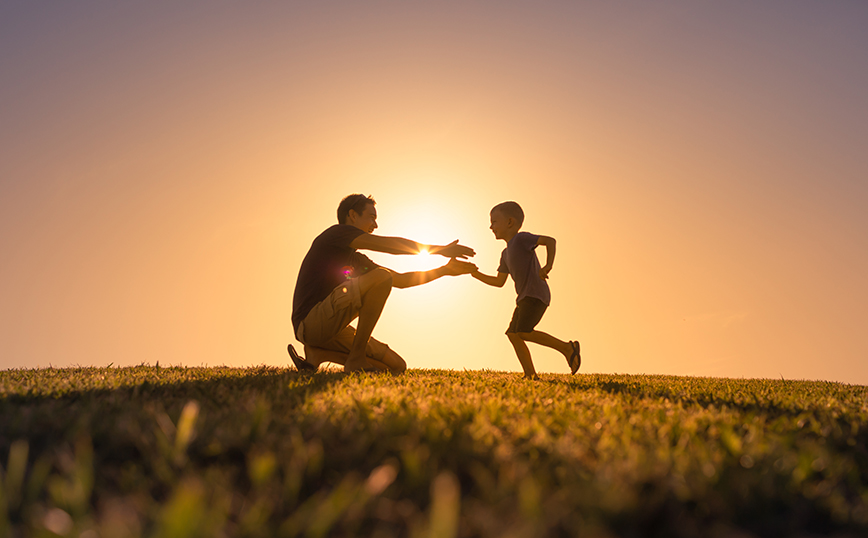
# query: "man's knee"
397,365
378,277
383,275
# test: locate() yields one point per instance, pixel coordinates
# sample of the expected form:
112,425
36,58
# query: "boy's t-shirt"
329,262
519,260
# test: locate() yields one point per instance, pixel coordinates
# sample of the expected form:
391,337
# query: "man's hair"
510,209
356,202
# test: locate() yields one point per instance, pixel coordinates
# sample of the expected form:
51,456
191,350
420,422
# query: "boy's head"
358,210
506,220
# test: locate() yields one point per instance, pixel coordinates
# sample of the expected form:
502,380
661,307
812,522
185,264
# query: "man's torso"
330,261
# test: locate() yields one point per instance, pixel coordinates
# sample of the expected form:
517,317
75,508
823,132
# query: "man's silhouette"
336,284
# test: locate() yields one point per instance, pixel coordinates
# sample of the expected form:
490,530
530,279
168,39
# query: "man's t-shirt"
519,260
329,262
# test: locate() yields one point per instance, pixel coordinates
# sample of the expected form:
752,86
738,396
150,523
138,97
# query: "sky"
165,166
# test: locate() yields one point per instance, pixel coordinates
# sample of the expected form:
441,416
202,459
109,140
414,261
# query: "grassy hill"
149,451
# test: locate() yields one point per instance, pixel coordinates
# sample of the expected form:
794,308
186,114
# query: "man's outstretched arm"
416,278
399,245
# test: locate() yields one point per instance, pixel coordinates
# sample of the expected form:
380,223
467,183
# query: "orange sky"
164,168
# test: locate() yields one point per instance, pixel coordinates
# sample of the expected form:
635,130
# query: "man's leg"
523,355
317,355
391,361
374,288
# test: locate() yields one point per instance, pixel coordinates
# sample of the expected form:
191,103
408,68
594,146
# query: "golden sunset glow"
164,169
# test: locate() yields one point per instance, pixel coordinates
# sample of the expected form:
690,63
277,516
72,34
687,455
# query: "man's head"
358,210
506,220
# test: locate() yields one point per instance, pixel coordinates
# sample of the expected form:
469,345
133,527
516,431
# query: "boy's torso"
520,261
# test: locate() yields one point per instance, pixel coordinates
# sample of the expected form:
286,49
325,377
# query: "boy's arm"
551,247
496,281
399,245
452,268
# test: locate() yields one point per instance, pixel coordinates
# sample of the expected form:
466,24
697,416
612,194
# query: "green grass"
149,451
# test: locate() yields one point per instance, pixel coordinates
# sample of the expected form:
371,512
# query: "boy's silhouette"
336,284
520,261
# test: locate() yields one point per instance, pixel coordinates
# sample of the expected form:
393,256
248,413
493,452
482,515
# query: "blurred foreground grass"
183,452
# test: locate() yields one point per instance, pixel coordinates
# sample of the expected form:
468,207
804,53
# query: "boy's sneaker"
300,364
575,359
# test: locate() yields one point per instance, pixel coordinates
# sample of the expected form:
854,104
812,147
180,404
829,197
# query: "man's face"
499,224
367,221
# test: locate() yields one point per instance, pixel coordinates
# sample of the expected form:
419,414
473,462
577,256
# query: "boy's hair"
510,209
356,202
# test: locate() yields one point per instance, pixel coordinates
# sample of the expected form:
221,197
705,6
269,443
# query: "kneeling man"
336,285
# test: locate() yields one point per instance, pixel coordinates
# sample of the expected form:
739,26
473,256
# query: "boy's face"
366,222
500,224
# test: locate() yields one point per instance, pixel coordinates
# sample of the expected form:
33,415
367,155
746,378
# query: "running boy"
520,261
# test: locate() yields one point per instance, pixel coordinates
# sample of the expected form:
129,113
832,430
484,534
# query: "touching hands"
453,250
455,267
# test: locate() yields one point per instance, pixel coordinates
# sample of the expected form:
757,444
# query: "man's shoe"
300,364
575,359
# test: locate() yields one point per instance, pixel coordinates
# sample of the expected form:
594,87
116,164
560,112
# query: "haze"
164,167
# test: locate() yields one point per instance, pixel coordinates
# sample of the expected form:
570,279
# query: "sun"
422,261
432,221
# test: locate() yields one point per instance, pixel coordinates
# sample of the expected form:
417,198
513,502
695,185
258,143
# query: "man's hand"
544,272
452,268
455,267
452,250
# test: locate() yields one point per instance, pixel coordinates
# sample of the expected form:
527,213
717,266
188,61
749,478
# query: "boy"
520,261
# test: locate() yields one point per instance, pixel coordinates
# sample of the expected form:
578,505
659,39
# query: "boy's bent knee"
517,336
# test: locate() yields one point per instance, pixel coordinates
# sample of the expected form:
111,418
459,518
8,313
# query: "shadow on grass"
233,401
223,451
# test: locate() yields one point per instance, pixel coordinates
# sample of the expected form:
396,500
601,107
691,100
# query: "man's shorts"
528,312
327,325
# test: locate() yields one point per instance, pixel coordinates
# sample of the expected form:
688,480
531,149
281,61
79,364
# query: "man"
336,284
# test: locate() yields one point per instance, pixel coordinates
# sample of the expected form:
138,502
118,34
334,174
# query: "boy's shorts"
528,312
327,325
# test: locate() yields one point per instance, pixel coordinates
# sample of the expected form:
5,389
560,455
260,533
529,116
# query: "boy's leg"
375,288
527,314
547,340
566,348
523,355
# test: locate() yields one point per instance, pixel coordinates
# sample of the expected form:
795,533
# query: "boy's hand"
544,272
453,250
455,267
